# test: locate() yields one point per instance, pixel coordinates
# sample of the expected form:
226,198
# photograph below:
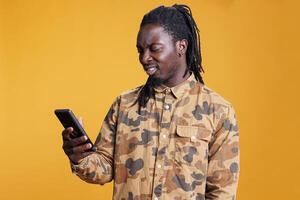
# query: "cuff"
76,167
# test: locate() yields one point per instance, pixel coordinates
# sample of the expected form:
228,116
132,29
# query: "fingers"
75,142
75,148
67,133
82,148
70,150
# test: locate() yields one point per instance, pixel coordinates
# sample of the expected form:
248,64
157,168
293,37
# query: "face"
159,55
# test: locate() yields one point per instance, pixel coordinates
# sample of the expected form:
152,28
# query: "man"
172,138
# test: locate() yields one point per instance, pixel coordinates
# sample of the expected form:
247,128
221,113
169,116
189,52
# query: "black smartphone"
68,119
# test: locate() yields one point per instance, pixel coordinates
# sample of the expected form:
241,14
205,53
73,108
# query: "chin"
156,80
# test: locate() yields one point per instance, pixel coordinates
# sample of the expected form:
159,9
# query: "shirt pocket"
191,146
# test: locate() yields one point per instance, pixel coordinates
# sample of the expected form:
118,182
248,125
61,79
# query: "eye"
155,48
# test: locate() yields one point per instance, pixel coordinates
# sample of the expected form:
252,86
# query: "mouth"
150,70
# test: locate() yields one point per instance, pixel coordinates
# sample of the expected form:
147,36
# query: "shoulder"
131,92
220,108
213,97
130,96
126,99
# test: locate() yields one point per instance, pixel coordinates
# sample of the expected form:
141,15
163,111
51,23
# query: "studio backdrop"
82,54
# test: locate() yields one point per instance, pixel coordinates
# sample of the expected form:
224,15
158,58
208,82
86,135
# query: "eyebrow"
154,43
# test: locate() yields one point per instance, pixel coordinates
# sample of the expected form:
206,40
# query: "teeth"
151,70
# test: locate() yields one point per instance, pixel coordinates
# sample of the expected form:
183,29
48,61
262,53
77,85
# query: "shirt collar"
180,89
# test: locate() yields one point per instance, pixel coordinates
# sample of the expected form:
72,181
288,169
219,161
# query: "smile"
151,70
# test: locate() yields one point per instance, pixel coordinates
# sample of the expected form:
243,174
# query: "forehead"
153,33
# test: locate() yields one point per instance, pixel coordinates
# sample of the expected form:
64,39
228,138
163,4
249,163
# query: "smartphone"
68,119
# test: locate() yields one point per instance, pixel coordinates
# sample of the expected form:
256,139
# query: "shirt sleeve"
223,159
97,168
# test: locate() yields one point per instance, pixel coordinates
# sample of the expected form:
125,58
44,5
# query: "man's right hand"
75,148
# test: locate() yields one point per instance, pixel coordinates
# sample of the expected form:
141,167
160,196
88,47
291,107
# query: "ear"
181,46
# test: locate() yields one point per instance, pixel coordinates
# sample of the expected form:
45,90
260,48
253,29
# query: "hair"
177,21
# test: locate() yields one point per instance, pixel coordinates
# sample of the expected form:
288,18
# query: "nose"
145,57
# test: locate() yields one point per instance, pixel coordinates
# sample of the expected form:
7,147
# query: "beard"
154,81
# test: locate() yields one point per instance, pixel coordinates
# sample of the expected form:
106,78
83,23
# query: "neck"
177,81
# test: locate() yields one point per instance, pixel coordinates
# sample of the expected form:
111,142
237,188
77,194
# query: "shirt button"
167,107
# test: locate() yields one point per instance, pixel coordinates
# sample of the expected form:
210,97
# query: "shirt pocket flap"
193,132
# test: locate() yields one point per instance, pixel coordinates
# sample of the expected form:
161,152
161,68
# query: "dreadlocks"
179,23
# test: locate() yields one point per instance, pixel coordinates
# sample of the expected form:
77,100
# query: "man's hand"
75,148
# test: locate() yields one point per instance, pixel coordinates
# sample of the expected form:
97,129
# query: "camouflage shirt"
182,145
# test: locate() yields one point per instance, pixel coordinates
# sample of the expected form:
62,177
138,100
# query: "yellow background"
81,55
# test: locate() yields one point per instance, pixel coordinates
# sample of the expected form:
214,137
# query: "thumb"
80,119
